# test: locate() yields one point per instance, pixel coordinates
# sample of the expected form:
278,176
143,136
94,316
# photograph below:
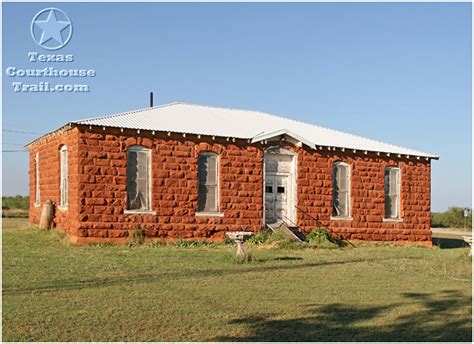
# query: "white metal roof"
236,123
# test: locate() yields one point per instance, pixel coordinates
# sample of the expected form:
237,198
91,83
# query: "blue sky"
399,73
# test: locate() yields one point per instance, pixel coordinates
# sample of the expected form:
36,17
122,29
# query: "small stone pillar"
46,217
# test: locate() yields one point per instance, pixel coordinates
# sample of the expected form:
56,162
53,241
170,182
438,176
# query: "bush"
452,218
319,235
15,202
258,238
322,238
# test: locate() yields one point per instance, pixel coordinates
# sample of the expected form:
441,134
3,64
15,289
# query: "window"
138,178
37,181
340,190
392,193
208,191
63,186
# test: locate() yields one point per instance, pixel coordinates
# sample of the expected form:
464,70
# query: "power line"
21,132
12,144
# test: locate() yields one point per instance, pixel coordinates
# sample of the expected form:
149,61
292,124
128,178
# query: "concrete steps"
291,232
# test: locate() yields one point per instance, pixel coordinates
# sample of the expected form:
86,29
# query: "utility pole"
466,214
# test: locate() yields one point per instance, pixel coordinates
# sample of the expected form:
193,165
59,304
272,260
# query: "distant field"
15,206
15,213
56,292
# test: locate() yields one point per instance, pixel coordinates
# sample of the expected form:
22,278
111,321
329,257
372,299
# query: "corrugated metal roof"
235,123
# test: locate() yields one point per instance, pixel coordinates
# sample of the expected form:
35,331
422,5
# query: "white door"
276,198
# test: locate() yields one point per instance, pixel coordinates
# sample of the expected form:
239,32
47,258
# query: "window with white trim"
138,178
63,186
208,180
340,190
392,193
37,181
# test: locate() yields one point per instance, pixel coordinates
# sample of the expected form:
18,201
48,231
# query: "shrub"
319,235
16,202
453,218
258,238
322,238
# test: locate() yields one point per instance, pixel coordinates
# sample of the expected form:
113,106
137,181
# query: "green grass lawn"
53,291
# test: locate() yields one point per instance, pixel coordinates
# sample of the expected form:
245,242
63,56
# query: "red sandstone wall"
102,187
367,196
97,188
48,149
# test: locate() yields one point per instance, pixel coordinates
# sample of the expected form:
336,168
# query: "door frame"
292,178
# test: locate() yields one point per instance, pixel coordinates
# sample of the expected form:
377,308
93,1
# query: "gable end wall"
49,173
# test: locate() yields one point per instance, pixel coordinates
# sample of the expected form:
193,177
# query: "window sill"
392,220
62,208
210,214
139,212
36,205
341,218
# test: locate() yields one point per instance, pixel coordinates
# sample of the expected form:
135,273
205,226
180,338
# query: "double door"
276,198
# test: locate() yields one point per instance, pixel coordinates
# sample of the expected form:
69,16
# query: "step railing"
288,221
317,222
292,227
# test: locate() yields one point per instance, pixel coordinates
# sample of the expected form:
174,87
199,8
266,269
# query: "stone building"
189,171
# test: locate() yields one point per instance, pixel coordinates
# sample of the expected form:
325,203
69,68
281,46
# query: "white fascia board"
267,136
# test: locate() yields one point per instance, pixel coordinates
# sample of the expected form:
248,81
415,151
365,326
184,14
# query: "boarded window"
392,193
63,187
138,178
37,181
340,190
208,193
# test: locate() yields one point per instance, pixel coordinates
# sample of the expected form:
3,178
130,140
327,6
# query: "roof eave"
255,139
63,128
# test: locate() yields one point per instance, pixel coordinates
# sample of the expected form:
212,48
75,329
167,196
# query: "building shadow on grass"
437,318
449,242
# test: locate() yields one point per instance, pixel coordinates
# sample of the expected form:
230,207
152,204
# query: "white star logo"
51,29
